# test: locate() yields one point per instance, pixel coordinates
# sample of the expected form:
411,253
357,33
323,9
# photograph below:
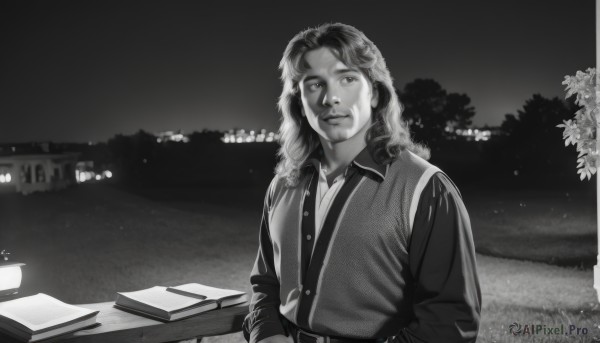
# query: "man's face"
336,99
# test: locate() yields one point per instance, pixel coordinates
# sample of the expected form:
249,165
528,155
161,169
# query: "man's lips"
334,116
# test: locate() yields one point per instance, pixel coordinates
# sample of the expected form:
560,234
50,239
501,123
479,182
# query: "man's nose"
330,98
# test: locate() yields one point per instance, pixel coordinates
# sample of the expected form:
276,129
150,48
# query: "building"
28,173
171,136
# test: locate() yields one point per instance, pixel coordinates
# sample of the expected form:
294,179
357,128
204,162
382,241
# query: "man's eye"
315,86
349,79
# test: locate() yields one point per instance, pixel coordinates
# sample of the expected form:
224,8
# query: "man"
361,239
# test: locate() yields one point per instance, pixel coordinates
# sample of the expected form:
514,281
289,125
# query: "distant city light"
171,136
251,136
474,134
86,175
5,178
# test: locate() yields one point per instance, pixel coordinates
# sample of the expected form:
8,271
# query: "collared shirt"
395,257
325,195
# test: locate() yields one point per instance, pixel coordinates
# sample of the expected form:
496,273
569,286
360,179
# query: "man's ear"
374,96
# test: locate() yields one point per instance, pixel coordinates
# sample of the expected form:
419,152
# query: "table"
117,326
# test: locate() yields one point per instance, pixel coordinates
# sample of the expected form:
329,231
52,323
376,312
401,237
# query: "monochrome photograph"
299,171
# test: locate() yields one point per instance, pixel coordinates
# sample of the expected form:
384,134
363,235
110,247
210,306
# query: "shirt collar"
363,160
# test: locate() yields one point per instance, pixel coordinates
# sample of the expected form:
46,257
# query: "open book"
156,302
40,316
224,297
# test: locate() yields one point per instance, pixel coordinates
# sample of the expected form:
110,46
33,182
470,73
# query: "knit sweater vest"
363,287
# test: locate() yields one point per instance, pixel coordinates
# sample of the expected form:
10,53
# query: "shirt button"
307,292
306,213
308,237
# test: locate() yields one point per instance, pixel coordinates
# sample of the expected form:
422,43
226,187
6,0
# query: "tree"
537,119
458,111
429,109
529,148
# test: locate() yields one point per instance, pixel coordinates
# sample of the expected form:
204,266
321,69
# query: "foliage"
581,131
536,120
429,109
529,151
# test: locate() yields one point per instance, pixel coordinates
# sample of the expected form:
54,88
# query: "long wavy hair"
388,134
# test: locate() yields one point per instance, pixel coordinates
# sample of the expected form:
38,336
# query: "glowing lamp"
10,275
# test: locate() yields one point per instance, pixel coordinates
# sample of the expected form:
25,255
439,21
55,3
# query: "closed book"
224,297
40,316
157,302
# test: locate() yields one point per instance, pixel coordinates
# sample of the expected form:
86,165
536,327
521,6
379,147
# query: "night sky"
78,71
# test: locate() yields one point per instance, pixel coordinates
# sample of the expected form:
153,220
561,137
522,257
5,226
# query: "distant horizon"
6,143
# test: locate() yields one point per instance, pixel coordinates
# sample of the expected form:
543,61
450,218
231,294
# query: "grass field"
555,227
84,244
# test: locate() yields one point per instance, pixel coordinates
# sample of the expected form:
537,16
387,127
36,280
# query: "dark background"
79,71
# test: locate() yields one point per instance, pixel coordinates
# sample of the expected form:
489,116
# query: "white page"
41,311
12,331
158,297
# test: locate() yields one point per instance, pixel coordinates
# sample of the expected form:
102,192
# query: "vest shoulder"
409,162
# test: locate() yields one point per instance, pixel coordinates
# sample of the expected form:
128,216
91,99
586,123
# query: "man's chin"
337,137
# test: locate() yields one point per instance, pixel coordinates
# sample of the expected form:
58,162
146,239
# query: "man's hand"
278,339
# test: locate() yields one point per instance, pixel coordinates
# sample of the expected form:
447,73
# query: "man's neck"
337,156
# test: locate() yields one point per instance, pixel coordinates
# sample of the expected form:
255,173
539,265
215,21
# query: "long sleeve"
263,320
446,295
